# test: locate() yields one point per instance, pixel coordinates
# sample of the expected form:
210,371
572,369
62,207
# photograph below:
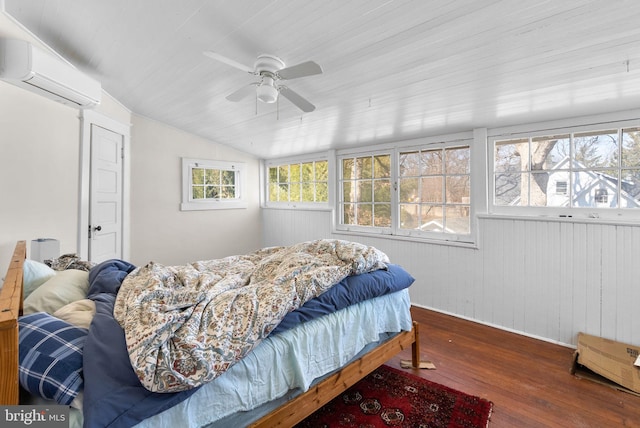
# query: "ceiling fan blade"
303,69
228,61
297,100
242,93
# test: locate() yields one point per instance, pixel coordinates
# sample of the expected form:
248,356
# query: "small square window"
210,185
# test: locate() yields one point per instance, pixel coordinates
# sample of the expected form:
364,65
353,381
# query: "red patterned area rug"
389,397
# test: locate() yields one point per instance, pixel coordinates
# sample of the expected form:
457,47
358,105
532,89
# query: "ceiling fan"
271,71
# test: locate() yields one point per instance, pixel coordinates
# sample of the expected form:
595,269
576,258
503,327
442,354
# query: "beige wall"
159,230
39,158
40,176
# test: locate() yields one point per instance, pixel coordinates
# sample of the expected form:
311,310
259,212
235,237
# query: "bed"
320,382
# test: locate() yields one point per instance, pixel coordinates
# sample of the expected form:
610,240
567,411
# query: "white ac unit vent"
29,67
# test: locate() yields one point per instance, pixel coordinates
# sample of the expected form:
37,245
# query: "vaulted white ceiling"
393,69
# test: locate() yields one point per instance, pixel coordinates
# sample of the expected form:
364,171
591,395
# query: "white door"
105,198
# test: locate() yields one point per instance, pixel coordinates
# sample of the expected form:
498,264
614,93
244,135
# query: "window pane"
212,176
630,197
307,171
365,214
227,192
348,169
410,164
364,193
308,192
364,168
508,188
322,170
458,189
431,190
348,189
382,216
598,149
431,162
284,173
537,189
197,176
273,174
283,194
409,216
431,218
322,192
212,192
457,161
294,172
457,220
592,191
554,151
273,192
294,192
228,178
349,214
382,191
631,148
409,190
197,192
507,155
382,166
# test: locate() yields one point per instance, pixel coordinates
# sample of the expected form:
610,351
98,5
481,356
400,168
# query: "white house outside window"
583,170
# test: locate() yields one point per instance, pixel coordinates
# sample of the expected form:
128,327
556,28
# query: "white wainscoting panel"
544,278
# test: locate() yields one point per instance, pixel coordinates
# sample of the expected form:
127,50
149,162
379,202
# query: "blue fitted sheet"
289,361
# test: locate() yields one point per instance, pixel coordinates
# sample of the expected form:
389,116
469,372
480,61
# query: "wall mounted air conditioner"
29,67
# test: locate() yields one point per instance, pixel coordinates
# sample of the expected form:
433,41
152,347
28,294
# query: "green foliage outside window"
299,182
212,184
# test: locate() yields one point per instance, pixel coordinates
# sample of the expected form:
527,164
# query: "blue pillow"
50,353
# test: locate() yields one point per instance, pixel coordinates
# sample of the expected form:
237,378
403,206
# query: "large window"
298,182
597,169
435,190
423,192
366,191
208,184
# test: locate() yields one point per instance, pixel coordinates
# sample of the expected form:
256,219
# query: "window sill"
205,206
461,244
564,218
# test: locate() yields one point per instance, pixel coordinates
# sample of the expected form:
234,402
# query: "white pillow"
66,287
79,313
34,275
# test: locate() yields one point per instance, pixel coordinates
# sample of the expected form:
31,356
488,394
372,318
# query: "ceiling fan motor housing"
269,63
267,66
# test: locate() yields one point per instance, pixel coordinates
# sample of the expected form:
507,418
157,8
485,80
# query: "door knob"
97,228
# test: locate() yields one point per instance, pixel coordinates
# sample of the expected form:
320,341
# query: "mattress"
284,363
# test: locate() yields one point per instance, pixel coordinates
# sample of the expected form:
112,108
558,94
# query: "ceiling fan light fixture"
267,92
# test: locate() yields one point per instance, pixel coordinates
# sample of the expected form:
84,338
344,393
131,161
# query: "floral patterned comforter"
186,325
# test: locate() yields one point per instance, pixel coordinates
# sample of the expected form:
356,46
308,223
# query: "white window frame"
321,206
476,141
591,214
190,204
374,230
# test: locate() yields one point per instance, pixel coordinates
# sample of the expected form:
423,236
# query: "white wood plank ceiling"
393,69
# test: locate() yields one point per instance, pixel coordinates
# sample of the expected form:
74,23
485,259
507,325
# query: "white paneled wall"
544,278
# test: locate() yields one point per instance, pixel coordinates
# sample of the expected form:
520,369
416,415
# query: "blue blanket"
113,395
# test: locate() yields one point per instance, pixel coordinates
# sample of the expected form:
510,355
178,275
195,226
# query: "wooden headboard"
10,310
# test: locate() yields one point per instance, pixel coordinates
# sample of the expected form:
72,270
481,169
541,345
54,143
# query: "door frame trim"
87,119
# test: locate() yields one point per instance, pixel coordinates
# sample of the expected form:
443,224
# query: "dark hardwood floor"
528,380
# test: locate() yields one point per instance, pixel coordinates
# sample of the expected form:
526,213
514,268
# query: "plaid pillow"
50,357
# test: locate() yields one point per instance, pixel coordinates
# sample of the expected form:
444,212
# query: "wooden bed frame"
286,415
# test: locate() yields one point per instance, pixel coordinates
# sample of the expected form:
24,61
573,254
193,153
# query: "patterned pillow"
50,357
